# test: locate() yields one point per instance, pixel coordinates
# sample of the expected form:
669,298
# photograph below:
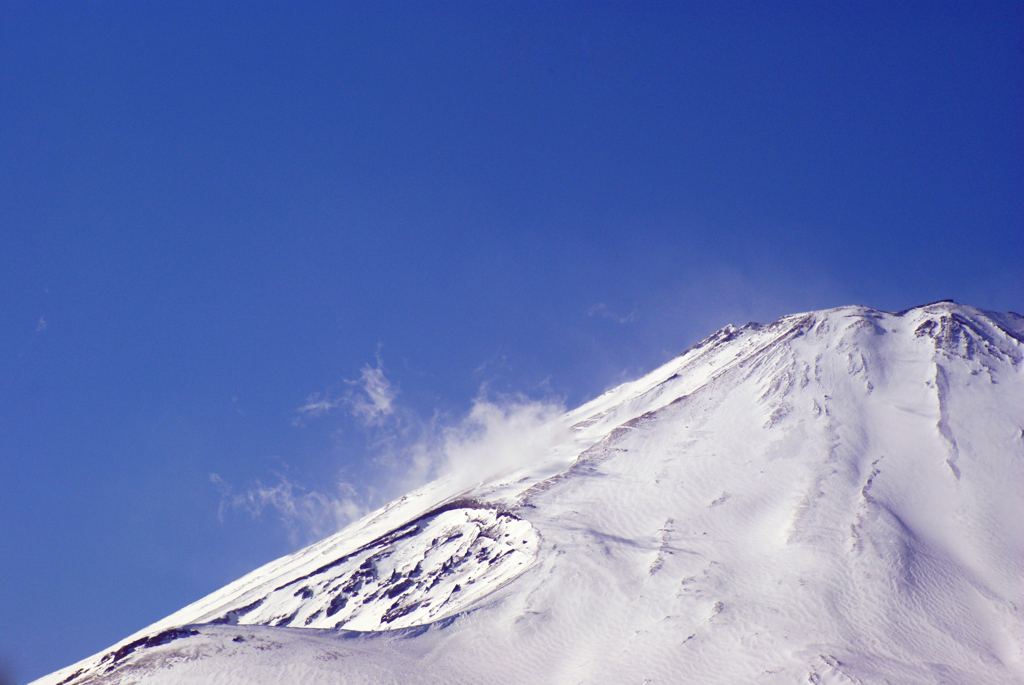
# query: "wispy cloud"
370,399
602,310
375,401
308,515
316,406
41,325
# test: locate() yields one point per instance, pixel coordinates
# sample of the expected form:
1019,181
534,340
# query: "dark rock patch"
337,604
152,641
72,676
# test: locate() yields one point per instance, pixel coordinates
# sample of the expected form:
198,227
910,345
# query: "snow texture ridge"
836,497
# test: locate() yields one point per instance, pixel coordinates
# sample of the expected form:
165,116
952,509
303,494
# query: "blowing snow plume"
498,438
831,498
498,434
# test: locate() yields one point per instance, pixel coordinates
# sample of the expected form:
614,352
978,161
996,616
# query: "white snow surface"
837,497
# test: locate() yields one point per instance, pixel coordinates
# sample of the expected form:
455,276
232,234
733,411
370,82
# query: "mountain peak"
832,497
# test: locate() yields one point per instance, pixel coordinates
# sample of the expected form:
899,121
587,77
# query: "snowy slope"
837,497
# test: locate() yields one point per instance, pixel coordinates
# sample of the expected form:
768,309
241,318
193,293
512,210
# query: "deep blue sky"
210,212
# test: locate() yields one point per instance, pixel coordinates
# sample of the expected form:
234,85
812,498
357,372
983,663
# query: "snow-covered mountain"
837,497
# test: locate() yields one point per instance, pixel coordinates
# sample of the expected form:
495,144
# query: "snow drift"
837,497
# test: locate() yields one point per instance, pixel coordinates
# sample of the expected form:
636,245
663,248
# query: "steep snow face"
837,497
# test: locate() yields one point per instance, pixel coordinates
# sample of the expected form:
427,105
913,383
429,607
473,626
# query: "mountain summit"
836,497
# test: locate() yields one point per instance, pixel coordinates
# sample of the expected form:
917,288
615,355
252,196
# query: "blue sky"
215,214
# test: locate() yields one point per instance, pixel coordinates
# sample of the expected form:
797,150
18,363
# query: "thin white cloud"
376,401
497,361
370,400
602,310
316,406
41,325
308,515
